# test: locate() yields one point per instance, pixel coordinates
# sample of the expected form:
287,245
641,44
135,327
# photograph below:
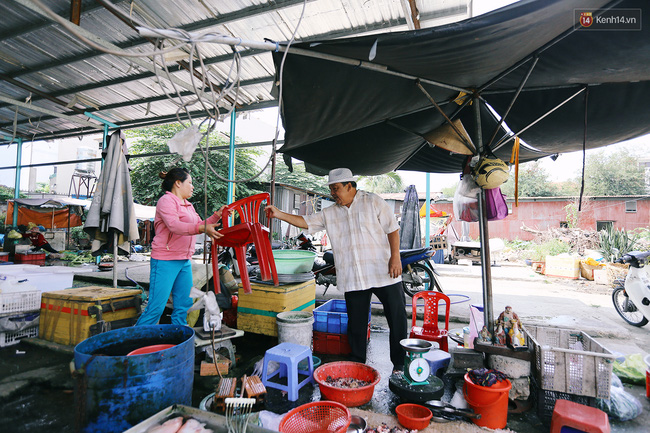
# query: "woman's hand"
219,213
211,230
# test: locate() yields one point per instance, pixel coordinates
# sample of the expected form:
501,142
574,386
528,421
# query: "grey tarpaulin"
409,229
111,211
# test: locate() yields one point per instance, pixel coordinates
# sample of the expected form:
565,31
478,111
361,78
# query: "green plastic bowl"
293,261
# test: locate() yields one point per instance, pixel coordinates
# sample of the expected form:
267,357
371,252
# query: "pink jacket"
175,224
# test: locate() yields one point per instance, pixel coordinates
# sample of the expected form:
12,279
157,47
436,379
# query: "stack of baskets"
568,365
331,328
19,315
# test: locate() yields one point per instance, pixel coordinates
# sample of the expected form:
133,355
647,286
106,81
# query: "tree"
384,183
299,178
146,182
616,174
533,182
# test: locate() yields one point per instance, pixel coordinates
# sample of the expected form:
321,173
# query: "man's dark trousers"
358,307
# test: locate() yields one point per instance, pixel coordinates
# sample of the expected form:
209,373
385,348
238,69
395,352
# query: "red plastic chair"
429,330
248,231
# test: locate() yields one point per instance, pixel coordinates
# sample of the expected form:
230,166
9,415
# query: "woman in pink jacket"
175,225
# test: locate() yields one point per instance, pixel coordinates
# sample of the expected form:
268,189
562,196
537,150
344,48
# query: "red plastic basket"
351,397
413,416
317,417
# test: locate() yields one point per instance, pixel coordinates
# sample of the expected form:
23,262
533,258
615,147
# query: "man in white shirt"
365,241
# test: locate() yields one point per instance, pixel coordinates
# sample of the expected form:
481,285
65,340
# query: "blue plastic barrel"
114,392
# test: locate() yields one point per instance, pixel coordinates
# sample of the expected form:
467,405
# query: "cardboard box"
70,316
257,311
563,267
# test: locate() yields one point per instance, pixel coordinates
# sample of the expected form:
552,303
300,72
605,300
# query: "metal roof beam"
49,112
254,81
140,123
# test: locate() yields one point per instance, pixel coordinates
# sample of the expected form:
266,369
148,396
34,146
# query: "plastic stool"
571,417
288,355
438,360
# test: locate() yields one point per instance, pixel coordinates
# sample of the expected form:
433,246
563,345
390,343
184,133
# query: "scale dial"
419,369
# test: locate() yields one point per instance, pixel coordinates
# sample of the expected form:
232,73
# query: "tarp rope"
514,159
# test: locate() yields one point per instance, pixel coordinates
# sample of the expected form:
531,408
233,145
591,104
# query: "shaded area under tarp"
48,213
340,115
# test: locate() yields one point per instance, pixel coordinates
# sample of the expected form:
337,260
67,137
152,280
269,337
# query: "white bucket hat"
340,175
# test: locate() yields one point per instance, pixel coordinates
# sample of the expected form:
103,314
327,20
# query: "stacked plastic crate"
331,328
19,314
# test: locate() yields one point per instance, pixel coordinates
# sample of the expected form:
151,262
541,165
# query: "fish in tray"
176,425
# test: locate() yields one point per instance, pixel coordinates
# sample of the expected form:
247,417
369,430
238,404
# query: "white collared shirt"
359,237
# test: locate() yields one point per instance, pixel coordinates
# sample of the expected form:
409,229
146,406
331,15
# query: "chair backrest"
248,208
432,299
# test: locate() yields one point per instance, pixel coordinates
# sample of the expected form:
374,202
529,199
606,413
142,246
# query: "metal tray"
212,420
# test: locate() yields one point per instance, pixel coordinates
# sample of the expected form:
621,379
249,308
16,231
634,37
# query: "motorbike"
418,273
631,296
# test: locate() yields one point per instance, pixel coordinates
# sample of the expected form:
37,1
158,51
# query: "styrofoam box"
45,279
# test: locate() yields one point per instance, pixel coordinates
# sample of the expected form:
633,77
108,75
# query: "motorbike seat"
413,252
328,256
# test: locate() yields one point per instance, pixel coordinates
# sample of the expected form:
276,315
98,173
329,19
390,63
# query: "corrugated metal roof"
46,72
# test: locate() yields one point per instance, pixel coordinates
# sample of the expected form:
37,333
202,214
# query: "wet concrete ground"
42,394
36,389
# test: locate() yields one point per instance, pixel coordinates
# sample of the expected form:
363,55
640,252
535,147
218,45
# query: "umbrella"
111,220
409,230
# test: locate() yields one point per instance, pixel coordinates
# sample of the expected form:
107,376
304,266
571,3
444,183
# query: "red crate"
36,259
331,344
4,257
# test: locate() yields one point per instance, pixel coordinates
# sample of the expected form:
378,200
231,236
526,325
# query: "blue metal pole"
19,157
231,158
427,206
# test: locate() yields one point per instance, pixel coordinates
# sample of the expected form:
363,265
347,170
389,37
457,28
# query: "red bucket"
489,401
150,349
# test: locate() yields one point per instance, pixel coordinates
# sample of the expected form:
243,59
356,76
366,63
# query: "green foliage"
550,248
384,183
299,178
616,174
449,192
572,216
533,182
7,193
42,187
146,182
3,218
77,234
614,243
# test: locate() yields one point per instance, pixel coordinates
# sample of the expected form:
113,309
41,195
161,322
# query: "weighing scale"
416,368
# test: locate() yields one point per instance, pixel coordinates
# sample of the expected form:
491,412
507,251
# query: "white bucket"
295,327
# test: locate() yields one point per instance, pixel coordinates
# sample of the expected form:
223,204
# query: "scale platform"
403,388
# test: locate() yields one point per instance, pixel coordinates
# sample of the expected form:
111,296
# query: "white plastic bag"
466,199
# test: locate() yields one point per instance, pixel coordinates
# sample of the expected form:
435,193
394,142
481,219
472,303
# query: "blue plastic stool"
438,361
288,355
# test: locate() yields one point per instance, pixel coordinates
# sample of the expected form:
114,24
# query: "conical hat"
446,138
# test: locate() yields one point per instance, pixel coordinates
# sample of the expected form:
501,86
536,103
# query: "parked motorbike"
418,273
631,296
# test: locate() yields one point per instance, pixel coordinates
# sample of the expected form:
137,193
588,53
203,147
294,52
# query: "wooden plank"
526,355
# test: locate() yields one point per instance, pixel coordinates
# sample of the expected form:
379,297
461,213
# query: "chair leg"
243,269
270,263
215,269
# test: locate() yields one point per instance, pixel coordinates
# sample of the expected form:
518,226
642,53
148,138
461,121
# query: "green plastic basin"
293,261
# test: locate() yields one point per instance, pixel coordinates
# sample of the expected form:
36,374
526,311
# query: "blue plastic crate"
332,317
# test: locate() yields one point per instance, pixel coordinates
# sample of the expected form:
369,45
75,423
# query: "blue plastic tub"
114,391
